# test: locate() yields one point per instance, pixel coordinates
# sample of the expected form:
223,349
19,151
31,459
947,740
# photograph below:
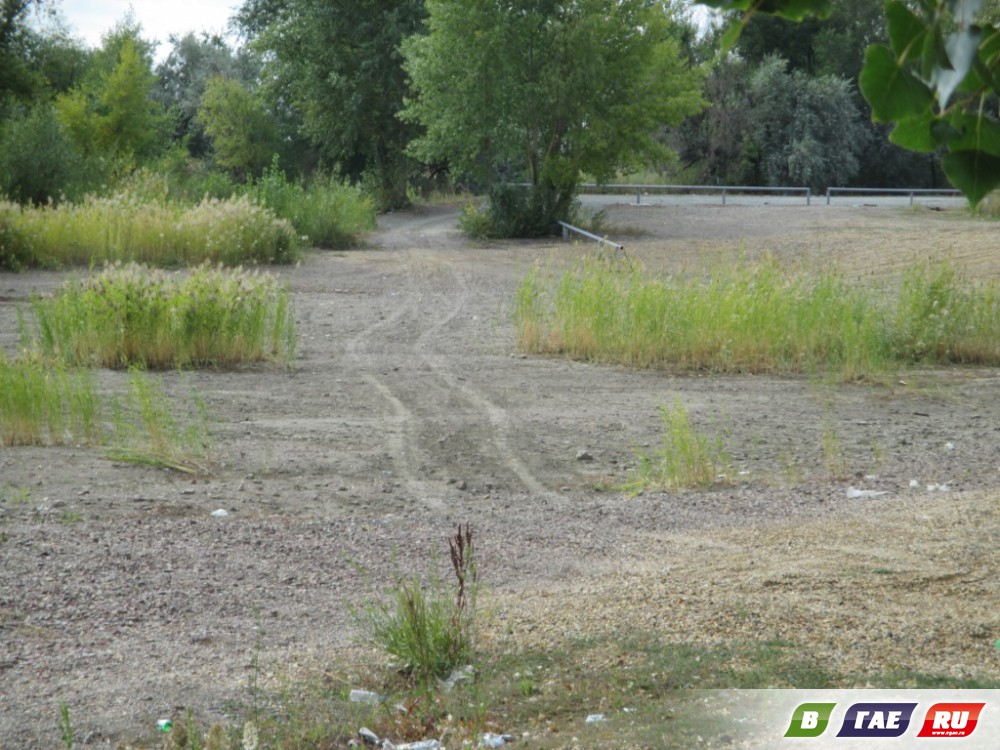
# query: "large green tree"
337,65
242,133
544,91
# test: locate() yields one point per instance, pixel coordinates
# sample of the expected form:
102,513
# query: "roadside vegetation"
133,315
759,318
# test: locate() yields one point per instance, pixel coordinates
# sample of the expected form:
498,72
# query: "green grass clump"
759,319
42,404
328,213
686,460
130,227
131,314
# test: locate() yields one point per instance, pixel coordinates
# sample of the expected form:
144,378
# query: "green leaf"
975,173
893,92
906,31
915,134
975,133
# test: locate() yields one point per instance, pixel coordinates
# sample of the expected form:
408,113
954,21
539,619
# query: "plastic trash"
595,718
855,493
460,676
164,725
364,696
422,745
914,483
369,737
220,513
495,740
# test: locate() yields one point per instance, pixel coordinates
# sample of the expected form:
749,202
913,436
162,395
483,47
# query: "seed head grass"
134,315
131,228
759,318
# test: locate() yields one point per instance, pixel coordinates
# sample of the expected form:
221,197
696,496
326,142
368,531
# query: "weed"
14,495
147,432
687,458
132,314
65,726
429,630
834,460
70,517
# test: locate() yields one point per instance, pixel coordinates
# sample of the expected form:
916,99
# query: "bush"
38,162
519,211
16,250
329,213
133,315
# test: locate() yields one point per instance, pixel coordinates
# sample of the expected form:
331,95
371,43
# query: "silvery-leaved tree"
937,81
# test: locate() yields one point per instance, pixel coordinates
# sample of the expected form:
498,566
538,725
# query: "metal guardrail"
724,190
890,191
567,228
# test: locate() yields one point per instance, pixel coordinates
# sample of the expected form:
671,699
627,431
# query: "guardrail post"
565,234
828,196
808,196
723,197
911,198
638,197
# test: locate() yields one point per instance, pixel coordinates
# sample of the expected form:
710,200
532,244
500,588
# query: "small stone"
463,485
584,455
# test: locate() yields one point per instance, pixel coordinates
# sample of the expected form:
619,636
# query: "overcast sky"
159,18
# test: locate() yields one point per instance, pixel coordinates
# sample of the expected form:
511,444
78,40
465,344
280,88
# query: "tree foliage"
242,133
935,81
543,91
340,70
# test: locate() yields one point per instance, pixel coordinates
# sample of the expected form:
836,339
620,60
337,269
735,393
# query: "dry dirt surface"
408,410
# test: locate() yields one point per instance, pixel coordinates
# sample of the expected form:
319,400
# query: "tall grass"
687,459
327,212
147,430
41,404
758,319
131,314
129,227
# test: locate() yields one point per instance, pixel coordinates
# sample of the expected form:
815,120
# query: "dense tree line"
393,94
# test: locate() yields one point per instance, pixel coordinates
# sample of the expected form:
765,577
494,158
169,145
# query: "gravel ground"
409,410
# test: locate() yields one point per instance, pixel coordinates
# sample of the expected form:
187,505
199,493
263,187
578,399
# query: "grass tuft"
686,460
133,315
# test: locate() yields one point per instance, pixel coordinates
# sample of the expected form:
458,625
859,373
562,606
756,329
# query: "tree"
544,91
183,78
241,130
807,128
935,81
112,112
339,68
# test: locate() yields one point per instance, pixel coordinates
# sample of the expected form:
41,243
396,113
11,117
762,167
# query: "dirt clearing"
408,410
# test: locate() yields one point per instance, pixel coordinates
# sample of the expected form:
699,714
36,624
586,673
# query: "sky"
90,19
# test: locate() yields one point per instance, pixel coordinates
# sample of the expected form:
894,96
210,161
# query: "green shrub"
130,227
329,213
519,211
42,404
132,314
16,249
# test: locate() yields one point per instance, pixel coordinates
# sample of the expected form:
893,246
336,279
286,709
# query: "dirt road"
409,410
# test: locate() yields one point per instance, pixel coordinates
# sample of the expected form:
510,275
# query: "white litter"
595,718
220,513
854,493
914,483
